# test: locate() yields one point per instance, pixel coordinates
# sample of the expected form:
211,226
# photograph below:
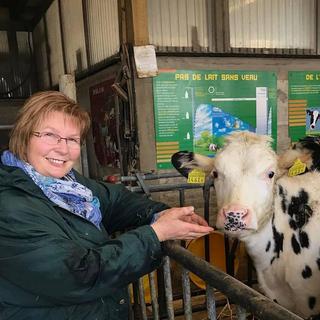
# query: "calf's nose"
233,218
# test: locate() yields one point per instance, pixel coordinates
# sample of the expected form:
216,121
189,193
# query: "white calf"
276,216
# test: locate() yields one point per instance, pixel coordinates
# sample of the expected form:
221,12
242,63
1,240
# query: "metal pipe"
211,303
187,305
142,301
165,187
136,309
181,197
153,295
150,176
131,314
6,127
168,287
236,291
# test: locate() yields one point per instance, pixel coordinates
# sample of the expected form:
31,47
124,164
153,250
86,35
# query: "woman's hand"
180,224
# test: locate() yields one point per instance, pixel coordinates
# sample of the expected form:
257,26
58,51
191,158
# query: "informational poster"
303,104
195,109
104,124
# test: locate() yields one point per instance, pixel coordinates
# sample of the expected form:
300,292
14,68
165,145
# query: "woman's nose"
63,145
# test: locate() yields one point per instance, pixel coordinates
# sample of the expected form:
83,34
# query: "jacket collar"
16,178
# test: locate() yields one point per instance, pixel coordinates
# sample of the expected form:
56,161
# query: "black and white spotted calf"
277,216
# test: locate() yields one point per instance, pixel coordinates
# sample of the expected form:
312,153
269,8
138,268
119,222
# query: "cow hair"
248,138
313,145
307,150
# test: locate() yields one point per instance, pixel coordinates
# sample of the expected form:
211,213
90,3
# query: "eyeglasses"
54,139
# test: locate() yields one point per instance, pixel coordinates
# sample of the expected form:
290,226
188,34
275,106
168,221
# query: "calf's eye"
271,174
215,174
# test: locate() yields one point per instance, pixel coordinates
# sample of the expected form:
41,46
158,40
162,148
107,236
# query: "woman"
58,260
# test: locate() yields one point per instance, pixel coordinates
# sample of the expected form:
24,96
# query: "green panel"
195,109
303,94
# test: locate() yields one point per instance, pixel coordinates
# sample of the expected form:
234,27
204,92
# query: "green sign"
303,103
195,109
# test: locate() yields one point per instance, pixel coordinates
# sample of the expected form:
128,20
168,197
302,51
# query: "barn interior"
146,70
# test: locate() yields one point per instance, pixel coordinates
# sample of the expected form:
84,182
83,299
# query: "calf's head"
244,172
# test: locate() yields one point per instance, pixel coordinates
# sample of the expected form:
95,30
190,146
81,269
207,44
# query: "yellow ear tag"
297,168
196,176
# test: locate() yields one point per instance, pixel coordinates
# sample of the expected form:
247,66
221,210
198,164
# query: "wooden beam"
15,26
137,22
40,12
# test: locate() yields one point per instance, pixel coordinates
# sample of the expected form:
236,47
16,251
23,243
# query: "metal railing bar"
211,303
142,301
131,313
154,298
181,197
150,176
8,127
187,305
142,184
235,290
168,288
165,187
136,304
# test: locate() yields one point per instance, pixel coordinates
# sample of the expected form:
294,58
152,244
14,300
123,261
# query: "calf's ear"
307,150
185,161
182,161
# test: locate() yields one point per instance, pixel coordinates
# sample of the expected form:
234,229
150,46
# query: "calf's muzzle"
234,217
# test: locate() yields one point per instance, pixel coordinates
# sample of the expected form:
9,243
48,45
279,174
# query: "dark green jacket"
55,265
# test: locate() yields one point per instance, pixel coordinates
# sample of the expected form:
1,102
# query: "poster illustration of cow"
312,121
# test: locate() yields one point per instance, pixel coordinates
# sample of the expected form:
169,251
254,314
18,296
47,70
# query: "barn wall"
279,66
178,24
240,26
272,24
55,43
8,113
103,30
74,36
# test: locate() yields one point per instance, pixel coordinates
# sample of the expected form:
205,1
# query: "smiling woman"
49,153
39,109
58,260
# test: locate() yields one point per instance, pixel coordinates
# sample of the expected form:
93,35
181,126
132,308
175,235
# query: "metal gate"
245,299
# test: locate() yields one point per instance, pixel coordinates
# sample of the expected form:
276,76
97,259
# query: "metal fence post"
187,304
168,287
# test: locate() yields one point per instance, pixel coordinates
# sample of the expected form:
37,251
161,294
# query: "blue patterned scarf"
67,193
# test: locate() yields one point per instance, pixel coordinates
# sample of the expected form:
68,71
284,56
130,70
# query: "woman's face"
54,159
